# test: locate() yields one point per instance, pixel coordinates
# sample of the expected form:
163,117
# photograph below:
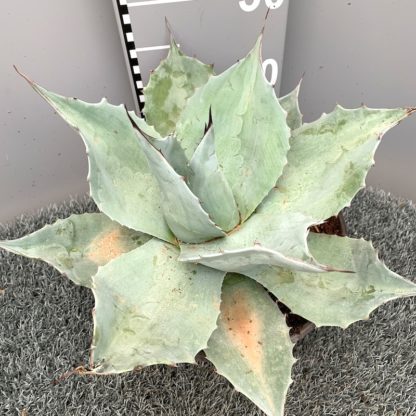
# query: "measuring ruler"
214,31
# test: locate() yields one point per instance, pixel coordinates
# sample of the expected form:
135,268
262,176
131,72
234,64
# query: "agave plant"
206,206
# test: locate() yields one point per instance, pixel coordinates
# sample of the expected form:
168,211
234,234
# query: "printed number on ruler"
274,70
271,4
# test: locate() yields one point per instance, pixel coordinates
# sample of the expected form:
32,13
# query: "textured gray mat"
45,330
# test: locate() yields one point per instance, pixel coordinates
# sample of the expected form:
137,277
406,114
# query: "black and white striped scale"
125,23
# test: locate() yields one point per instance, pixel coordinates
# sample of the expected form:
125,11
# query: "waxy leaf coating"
208,183
251,134
327,164
78,245
152,309
229,173
268,237
121,182
170,85
182,210
330,158
251,346
337,299
290,103
168,146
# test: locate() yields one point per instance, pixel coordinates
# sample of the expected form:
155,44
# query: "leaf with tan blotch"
251,346
78,245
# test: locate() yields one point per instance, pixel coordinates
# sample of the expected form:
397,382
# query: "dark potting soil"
333,226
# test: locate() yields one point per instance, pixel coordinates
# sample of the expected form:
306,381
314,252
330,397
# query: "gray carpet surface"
46,328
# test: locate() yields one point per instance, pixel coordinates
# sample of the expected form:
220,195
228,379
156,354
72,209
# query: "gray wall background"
353,52
71,47
350,51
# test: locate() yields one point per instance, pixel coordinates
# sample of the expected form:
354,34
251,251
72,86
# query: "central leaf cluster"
226,149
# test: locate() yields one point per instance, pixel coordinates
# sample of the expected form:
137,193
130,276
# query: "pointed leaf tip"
170,86
16,69
343,298
114,170
265,21
169,28
27,79
258,46
290,103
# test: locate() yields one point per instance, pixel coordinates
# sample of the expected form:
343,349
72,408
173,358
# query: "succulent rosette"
206,206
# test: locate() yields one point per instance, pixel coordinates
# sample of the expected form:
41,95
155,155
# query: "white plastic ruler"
215,31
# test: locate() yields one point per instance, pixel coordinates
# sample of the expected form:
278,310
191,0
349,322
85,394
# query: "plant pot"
300,327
